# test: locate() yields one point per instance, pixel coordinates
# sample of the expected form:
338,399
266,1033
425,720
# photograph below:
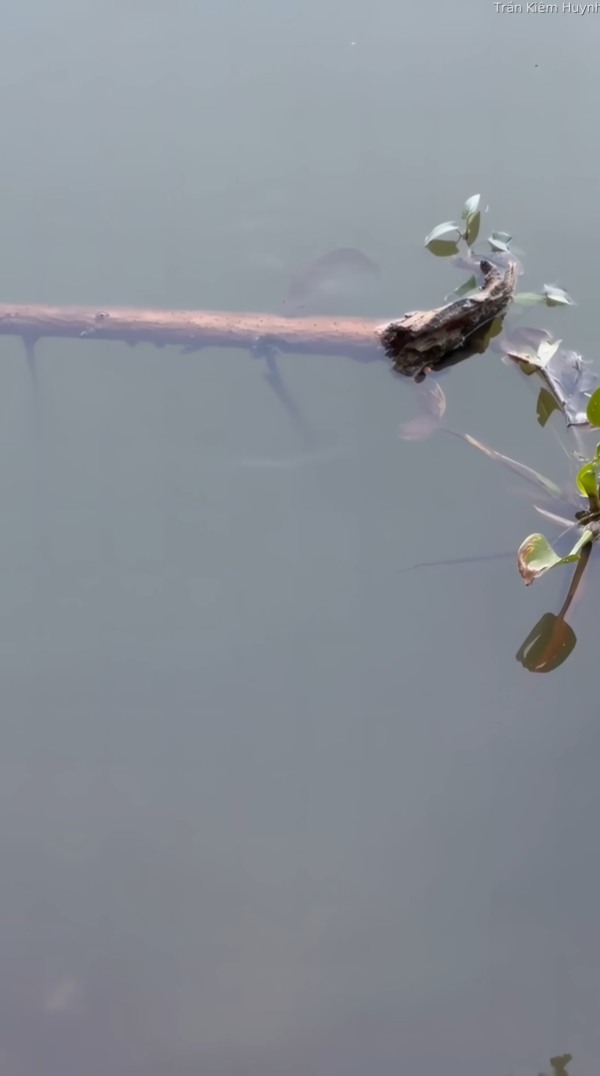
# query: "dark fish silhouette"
336,267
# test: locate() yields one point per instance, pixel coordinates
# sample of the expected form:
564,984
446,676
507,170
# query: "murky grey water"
268,803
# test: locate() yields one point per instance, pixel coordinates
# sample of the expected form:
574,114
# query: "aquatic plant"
569,386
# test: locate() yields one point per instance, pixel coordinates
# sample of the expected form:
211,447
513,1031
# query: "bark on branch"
424,340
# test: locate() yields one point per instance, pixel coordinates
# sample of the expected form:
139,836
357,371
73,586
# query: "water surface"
268,803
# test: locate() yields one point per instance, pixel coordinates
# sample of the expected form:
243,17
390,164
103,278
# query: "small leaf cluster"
444,241
535,555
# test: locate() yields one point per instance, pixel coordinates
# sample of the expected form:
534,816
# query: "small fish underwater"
334,273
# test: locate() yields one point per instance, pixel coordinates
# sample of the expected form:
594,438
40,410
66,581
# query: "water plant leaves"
442,248
442,231
548,644
538,358
546,405
556,296
583,540
471,206
499,241
472,229
536,556
569,379
529,298
588,479
593,408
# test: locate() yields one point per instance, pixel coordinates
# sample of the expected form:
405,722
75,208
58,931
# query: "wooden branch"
196,329
423,340
417,343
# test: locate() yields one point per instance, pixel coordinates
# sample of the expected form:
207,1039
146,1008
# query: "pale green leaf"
546,405
442,248
499,241
556,296
471,206
472,228
587,536
535,556
593,408
529,298
442,230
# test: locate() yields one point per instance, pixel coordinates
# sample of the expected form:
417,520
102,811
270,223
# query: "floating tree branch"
416,343
196,329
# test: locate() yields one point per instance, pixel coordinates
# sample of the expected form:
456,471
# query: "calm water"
268,804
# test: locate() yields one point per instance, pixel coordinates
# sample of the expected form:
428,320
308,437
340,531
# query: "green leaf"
587,536
537,359
471,206
529,298
442,230
468,286
547,646
472,229
546,404
442,248
556,296
588,479
499,241
527,368
593,408
536,556
589,475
